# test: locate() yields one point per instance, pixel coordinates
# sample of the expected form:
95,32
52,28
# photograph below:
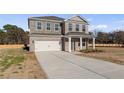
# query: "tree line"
114,37
12,34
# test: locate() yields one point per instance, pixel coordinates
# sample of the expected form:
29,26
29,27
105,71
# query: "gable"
78,18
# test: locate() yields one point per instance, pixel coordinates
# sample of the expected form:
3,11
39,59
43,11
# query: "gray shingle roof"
75,33
50,18
79,34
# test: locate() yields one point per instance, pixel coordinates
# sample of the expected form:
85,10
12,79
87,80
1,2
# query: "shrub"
26,47
90,50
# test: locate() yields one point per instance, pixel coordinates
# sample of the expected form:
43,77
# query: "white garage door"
47,46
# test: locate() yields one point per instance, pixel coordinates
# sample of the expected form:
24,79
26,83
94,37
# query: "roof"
82,18
50,18
79,34
75,33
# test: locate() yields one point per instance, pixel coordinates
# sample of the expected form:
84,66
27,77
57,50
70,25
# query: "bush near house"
91,50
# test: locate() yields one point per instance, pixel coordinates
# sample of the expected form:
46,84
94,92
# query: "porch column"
69,47
93,43
87,43
81,47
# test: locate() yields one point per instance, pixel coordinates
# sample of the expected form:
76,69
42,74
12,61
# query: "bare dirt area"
112,54
17,64
13,46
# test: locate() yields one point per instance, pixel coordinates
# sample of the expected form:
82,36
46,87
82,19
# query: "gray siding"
74,26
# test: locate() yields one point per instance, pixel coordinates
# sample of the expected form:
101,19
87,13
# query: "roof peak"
79,17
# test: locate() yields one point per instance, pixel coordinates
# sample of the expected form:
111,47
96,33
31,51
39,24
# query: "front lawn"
112,54
11,57
15,63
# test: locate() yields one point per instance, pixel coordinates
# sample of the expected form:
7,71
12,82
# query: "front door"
73,46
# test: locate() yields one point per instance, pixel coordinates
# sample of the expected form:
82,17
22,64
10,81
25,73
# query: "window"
70,27
83,44
83,28
56,27
48,26
77,27
78,43
39,25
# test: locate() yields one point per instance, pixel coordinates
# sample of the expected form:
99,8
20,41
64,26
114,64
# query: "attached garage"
47,46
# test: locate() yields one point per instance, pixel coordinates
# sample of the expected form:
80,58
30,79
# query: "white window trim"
36,25
50,26
76,27
82,28
58,27
68,27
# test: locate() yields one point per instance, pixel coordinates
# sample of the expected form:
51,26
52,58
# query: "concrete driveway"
64,65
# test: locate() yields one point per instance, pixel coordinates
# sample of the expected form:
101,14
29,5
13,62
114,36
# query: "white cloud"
100,26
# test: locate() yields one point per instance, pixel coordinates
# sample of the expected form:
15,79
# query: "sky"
104,22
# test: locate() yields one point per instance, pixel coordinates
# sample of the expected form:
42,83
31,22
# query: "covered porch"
78,42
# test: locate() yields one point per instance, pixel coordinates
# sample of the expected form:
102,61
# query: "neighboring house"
51,33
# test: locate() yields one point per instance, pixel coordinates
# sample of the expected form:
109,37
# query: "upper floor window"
83,28
48,26
56,27
39,26
77,27
70,27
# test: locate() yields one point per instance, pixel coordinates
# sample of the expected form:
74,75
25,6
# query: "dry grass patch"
112,54
9,46
17,64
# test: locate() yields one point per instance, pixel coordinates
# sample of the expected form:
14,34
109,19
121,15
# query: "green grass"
10,57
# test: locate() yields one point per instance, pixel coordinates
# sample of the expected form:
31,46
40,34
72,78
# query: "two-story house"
51,33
